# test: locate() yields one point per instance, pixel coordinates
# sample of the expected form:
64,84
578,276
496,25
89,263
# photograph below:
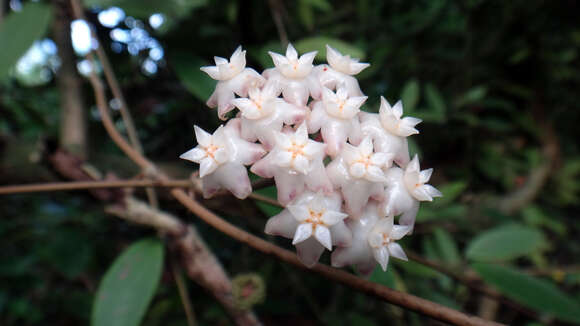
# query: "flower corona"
342,175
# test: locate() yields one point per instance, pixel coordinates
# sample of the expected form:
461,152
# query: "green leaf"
129,285
473,95
450,192
19,31
532,292
145,8
196,81
436,103
319,44
505,243
410,96
447,246
386,278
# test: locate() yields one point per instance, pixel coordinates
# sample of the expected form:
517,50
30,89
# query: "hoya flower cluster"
343,175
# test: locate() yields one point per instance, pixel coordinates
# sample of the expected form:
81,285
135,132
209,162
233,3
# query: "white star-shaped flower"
415,180
344,63
233,78
364,163
373,237
211,151
405,189
293,76
291,66
264,114
391,119
340,71
296,163
358,172
222,157
389,131
313,222
382,239
336,118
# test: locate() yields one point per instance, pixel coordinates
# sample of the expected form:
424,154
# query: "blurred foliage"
489,79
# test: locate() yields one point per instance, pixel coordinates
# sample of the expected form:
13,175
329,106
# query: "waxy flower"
373,237
389,131
222,157
336,118
358,172
406,189
233,78
296,163
313,222
264,114
293,75
340,72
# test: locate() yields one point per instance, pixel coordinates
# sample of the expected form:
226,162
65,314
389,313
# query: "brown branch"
198,260
276,8
85,185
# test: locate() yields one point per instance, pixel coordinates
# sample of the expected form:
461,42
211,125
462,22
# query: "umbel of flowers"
343,175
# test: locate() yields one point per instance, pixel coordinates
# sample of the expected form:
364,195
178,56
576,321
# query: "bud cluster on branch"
342,174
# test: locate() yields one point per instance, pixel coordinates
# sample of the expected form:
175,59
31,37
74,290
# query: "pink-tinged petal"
238,58
289,184
212,71
425,175
301,135
296,93
342,93
299,212
195,155
317,117
381,255
341,235
375,174
220,60
331,218
283,158
375,239
278,59
314,148
357,170
381,159
356,101
399,231
283,224
413,166
432,191
248,108
421,194
357,67
409,215
322,234
221,155
303,232
203,138
264,167
207,166
334,135
317,179
396,251
305,64
301,164
309,251
366,146
404,130
384,225
332,56
398,109
328,95
350,153
291,52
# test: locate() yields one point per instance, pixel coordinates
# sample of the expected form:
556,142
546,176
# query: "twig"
276,7
82,185
182,288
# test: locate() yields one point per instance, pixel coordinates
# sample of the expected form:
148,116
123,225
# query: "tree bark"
73,126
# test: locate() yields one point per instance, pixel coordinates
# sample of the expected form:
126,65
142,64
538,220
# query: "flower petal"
203,138
382,257
303,232
399,231
291,52
207,166
425,175
322,234
396,251
212,71
195,155
300,212
330,218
